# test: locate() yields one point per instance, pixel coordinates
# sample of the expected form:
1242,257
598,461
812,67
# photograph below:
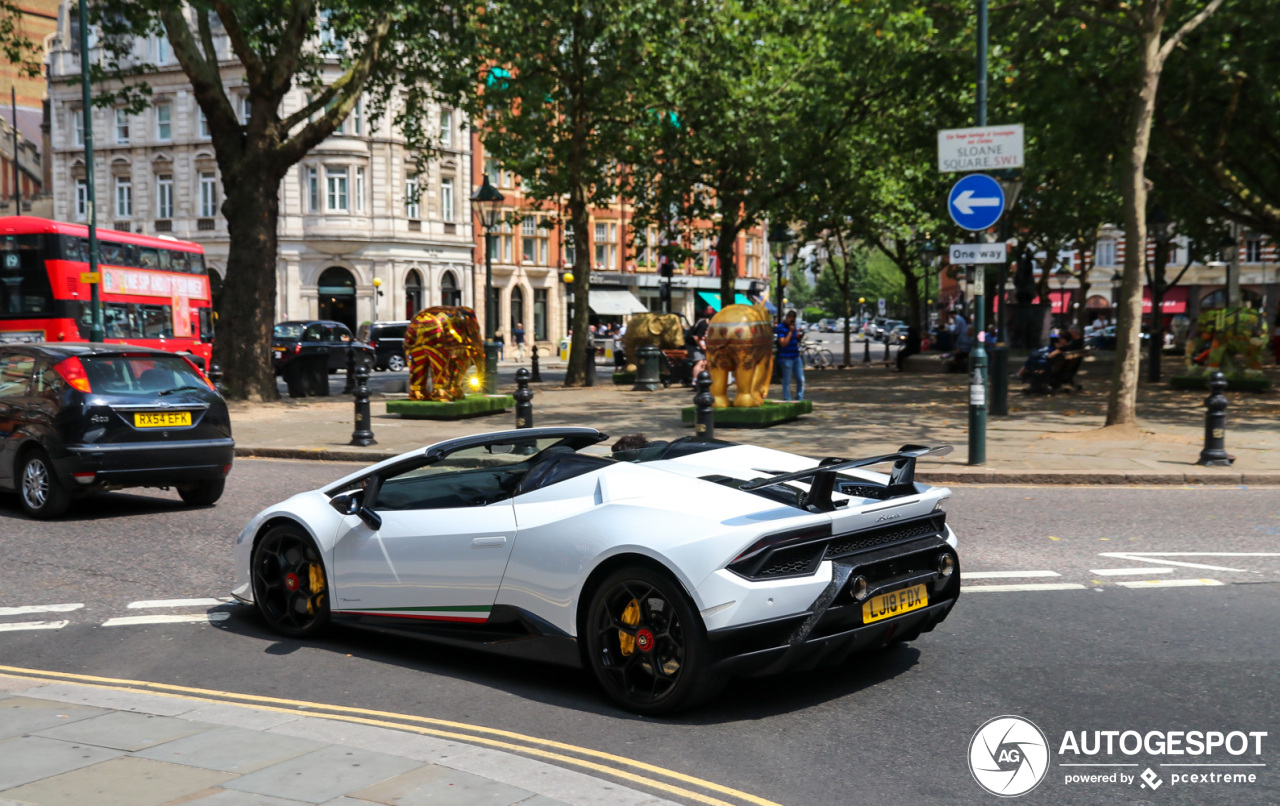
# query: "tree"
564,93
18,48
338,49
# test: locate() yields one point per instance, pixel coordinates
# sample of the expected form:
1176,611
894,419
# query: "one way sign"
976,202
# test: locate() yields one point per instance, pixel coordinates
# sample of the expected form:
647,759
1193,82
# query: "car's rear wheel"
290,589
203,493
396,363
42,495
646,645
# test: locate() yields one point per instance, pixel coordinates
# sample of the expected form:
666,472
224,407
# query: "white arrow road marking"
197,618
1151,557
1168,583
1129,572
27,610
965,202
33,625
1029,586
1007,574
146,604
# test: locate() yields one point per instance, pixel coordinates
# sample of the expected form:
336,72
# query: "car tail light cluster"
197,371
72,371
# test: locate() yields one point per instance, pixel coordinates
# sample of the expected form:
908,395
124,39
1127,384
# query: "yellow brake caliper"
630,617
315,574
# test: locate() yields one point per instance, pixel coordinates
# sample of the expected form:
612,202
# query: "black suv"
387,339
77,418
311,339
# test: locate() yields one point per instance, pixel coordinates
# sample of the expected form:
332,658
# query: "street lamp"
779,239
487,201
929,252
377,292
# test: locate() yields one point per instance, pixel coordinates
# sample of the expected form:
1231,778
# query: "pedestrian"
498,340
695,341
517,335
789,356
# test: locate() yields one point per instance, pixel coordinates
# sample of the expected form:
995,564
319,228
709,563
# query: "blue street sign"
975,202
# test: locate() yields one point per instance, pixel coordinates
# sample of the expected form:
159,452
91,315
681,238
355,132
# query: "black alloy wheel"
290,589
646,644
42,494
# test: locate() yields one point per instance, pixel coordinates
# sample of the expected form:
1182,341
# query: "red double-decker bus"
154,291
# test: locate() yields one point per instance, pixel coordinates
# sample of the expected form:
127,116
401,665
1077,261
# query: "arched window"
337,288
517,308
450,294
1218,299
412,293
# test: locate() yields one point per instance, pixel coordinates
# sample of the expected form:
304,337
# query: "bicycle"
816,357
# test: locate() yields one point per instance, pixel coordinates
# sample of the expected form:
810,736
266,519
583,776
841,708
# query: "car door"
15,385
442,547
339,343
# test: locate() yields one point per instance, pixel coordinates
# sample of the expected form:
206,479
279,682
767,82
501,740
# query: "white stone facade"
344,206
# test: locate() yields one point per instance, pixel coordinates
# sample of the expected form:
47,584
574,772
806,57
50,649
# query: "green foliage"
18,48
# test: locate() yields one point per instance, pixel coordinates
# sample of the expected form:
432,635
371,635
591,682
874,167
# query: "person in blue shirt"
792,366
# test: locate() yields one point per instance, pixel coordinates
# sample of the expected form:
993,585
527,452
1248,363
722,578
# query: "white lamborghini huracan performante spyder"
663,570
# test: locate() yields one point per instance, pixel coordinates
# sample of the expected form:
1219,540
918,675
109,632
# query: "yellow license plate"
161,419
888,605
278,349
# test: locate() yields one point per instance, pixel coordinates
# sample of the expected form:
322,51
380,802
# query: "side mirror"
352,503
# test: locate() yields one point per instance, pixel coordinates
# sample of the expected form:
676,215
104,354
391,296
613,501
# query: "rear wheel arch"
604,569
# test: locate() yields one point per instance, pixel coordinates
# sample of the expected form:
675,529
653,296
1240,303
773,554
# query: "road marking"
29,609
1007,574
1168,583
1156,558
340,713
1029,586
170,618
1129,572
152,603
33,625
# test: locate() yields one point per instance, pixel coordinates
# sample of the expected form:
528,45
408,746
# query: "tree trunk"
581,349
726,247
1122,402
248,301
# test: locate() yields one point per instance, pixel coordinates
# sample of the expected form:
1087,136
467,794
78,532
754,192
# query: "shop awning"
1175,300
610,302
713,300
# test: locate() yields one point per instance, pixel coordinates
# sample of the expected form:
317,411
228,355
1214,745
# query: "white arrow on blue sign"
976,202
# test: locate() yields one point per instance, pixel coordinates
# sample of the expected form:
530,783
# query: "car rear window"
288,330
142,375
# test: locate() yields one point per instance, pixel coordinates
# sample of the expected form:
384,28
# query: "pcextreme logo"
1010,756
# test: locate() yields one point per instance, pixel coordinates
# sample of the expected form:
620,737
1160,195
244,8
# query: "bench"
1060,374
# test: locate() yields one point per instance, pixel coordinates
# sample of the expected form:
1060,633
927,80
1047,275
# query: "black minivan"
387,339
79,418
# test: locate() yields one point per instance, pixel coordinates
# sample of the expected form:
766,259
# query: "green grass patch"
469,406
772,412
624,378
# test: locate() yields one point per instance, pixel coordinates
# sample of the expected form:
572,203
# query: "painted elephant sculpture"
1231,340
661,330
446,340
740,341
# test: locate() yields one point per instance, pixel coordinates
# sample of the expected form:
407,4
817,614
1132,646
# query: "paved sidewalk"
858,412
63,744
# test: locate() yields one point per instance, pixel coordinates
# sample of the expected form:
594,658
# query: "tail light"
297,348
197,371
72,371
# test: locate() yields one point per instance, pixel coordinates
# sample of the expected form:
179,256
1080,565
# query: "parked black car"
387,339
79,418
309,339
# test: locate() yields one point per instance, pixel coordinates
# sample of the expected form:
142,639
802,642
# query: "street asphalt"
1126,608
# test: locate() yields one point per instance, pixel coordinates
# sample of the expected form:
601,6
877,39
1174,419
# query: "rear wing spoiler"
902,479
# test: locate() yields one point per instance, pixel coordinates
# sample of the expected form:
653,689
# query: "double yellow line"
596,761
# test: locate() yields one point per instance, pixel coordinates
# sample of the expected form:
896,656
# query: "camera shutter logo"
1009,756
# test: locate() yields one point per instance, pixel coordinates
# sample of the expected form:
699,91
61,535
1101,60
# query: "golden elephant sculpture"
740,340
446,340
662,330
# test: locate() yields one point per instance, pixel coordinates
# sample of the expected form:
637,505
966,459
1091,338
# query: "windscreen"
288,330
142,375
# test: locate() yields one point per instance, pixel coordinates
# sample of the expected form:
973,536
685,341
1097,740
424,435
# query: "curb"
977,476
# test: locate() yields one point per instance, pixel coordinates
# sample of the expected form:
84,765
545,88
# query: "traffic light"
664,292
666,269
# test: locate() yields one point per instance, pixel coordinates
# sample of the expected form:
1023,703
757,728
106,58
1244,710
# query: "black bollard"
866,350
886,351
1215,425
648,374
537,373
362,435
524,399
215,377
704,424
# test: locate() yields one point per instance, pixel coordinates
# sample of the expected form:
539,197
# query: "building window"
357,117
1105,254
446,200
164,196
164,131
203,124
208,195
540,314
124,197
82,200
568,250
492,170
412,198
337,186
606,246
313,190
505,240
446,128
77,125
359,190
1253,250
533,241
160,48
122,127
246,109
